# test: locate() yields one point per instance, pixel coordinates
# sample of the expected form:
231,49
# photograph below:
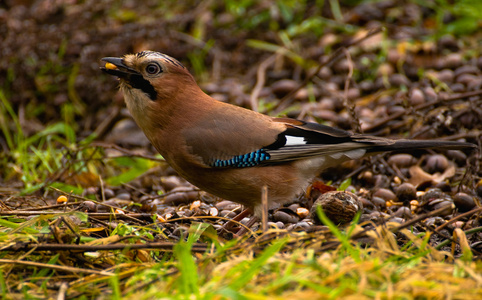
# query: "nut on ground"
339,206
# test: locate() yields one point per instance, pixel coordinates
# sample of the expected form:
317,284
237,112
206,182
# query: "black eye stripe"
138,82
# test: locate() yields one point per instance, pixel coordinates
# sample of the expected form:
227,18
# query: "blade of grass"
343,238
188,282
256,265
7,109
3,286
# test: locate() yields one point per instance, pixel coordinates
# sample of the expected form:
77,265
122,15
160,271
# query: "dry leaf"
419,176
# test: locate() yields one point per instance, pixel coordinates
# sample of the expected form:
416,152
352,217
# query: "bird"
230,151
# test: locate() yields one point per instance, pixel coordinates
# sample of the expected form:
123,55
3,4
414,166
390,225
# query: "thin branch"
54,267
165,246
260,80
283,103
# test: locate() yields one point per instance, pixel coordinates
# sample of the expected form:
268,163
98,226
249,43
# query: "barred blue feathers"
243,161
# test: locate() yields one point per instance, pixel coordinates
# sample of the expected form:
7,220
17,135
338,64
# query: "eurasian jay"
230,151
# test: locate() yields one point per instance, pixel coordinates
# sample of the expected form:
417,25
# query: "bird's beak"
115,66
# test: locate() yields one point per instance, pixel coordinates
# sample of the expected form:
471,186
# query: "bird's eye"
153,69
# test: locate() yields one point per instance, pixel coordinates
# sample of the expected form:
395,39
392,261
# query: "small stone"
416,97
124,196
325,73
430,94
227,205
446,76
294,207
394,56
446,203
449,42
377,216
444,186
402,160
326,104
91,190
436,164
88,206
353,94
301,95
341,66
385,194
478,189
399,80
301,226
458,156
397,220
180,196
367,85
464,202
385,69
474,84
171,182
381,181
403,212
451,61
479,62
406,192
283,87
466,78
285,217
457,87
367,177
395,109
459,224
108,193
435,199
466,69
367,204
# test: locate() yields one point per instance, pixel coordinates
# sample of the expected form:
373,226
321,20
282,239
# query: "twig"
131,216
107,123
350,106
469,213
419,218
166,246
448,241
260,80
264,212
49,206
62,291
123,150
331,59
54,267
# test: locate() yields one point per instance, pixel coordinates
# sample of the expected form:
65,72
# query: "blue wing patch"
243,161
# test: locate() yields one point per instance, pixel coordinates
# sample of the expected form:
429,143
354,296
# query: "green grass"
290,265
55,153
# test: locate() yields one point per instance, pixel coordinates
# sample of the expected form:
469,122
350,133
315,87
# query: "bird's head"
152,82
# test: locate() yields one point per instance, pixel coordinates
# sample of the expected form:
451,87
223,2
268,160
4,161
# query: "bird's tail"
409,145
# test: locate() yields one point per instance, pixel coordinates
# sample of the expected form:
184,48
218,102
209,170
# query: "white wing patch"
295,140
